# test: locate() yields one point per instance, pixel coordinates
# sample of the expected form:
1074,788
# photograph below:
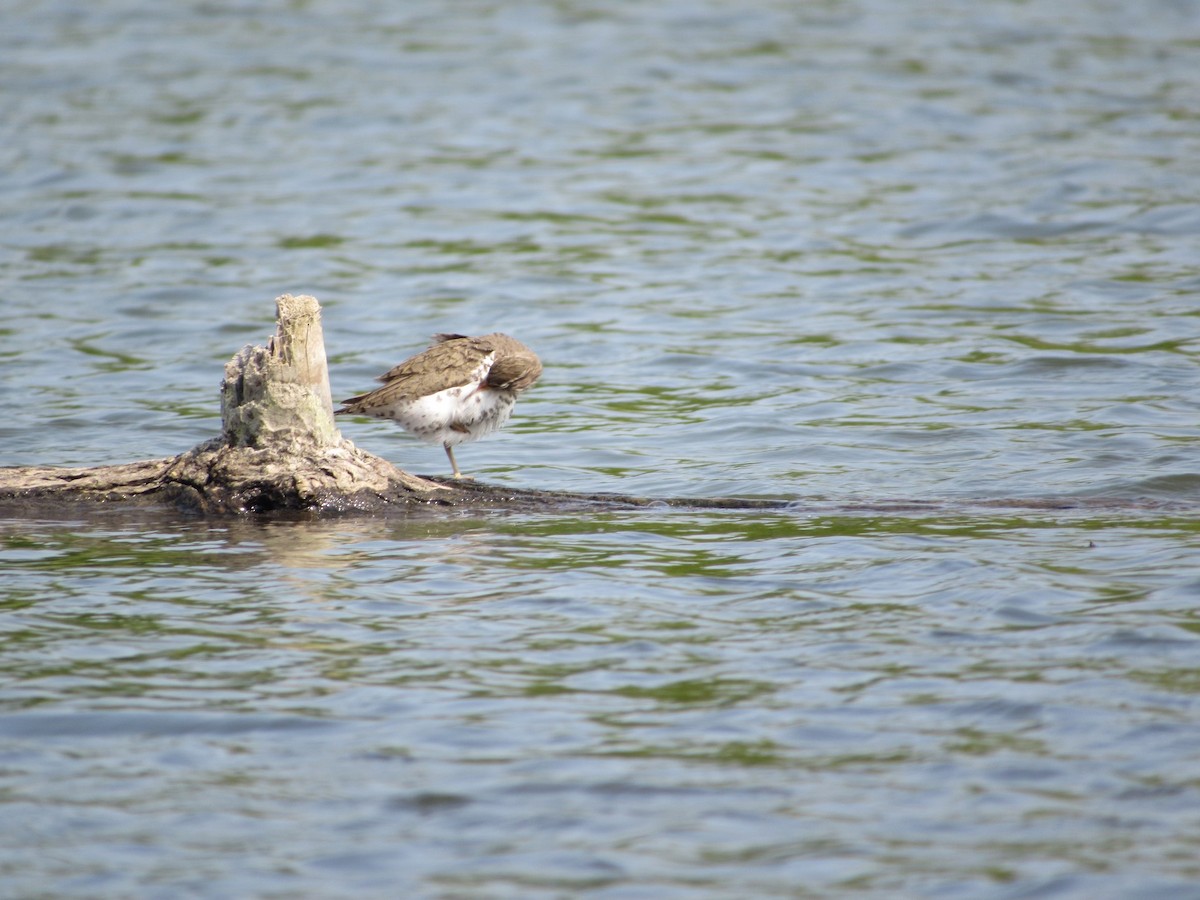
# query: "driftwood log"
280,452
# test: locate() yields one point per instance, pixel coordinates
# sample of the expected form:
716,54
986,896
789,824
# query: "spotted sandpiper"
459,390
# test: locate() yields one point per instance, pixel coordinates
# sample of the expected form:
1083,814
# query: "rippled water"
832,252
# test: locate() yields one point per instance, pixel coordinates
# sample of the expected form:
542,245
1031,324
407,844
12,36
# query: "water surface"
832,252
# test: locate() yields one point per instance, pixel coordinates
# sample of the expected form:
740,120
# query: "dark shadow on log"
280,452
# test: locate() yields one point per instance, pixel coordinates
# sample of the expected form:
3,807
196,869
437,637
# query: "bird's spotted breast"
453,416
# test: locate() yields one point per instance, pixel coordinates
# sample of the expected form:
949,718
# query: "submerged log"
280,452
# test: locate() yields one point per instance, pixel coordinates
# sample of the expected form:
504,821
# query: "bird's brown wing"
448,363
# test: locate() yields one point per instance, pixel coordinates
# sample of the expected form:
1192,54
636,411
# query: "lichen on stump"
278,395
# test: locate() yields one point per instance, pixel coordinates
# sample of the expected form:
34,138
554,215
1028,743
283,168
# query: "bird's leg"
457,474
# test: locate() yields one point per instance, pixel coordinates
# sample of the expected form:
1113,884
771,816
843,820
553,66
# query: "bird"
458,390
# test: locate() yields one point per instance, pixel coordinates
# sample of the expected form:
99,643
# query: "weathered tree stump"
279,448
